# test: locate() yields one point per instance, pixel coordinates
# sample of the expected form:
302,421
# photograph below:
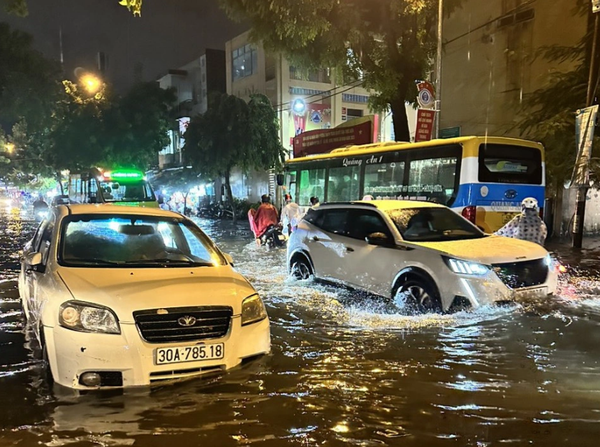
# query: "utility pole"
591,93
438,71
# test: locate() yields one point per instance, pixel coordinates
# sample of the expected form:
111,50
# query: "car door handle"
349,249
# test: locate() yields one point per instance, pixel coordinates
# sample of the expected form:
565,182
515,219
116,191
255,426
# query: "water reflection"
345,370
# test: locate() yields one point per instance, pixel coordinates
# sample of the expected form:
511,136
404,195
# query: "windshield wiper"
170,262
93,261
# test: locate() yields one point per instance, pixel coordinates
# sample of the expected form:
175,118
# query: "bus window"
433,179
312,184
502,163
343,184
137,191
384,180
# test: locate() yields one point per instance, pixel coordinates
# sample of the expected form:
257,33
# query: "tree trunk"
59,178
230,196
400,119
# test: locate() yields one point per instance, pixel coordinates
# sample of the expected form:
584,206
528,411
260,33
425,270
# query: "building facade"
193,84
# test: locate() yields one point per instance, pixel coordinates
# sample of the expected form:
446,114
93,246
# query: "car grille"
183,323
522,274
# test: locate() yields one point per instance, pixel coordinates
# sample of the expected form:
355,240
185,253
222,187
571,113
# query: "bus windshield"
130,191
501,163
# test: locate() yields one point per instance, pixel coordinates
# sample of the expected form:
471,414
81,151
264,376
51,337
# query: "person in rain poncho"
290,215
528,225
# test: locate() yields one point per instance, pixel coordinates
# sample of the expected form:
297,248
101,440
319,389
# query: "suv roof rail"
354,202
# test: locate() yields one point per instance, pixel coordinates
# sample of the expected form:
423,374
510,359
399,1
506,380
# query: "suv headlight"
466,267
253,310
86,317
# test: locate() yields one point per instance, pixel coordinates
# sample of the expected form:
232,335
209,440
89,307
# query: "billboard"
358,131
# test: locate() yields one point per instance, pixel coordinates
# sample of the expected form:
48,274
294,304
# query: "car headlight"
86,317
253,310
466,267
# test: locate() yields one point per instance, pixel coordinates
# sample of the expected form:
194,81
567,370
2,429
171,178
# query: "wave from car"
422,255
127,296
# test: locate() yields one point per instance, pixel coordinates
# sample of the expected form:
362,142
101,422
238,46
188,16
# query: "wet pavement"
343,371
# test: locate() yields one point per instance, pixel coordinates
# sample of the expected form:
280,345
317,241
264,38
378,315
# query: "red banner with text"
425,119
326,140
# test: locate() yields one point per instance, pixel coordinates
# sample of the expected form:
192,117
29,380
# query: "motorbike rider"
265,216
528,225
40,207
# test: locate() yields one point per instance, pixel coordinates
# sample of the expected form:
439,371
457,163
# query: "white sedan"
122,296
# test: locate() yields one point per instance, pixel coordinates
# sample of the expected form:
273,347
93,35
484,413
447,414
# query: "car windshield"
124,241
433,225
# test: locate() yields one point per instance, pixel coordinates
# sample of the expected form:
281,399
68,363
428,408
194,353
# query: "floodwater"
342,372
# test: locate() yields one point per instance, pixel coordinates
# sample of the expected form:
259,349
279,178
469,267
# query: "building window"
244,62
322,75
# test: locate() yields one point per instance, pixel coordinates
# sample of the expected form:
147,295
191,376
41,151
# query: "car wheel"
301,269
415,296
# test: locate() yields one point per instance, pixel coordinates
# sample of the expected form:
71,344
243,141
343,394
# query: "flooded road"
342,372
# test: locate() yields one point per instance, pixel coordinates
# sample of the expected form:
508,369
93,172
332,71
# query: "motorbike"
273,237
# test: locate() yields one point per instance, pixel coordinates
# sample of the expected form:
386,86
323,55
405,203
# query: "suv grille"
183,323
522,274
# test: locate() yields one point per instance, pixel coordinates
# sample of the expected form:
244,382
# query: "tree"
233,133
388,44
30,96
138,125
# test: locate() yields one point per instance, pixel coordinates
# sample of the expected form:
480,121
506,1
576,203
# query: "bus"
482,178
119,187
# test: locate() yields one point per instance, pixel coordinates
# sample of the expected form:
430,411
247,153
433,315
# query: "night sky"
169,34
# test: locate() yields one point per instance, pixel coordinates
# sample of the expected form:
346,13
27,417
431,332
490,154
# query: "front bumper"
490,289
72,353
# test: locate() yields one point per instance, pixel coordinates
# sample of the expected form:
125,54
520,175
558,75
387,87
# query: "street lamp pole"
438,71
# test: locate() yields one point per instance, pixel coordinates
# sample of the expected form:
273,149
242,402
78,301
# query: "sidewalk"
585,258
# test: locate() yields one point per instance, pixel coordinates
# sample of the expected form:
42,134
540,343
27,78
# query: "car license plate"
534,292
194,353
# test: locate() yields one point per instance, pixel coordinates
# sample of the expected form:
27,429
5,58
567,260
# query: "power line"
323,97
351,85
489,22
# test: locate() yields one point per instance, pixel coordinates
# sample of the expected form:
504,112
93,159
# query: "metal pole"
438,70
583,189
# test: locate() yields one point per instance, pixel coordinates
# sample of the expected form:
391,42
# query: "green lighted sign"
124,175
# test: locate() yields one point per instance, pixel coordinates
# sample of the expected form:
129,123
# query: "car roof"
386,204
88,208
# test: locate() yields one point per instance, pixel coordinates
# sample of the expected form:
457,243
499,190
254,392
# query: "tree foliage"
233,133
30,94
388,44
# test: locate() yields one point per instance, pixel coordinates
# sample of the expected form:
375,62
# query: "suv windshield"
433,225
103,241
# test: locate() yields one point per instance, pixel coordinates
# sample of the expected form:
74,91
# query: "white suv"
422,255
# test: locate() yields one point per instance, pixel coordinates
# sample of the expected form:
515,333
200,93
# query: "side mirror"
33,259
228,258
379,239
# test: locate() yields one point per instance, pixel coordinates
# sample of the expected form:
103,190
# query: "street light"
10,147
91,83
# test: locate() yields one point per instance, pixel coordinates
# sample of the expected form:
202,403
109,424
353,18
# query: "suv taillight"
469,213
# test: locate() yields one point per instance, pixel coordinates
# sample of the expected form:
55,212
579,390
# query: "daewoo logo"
510,194
186,321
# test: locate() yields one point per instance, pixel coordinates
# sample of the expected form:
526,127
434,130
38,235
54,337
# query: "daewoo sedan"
122,296
423,256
